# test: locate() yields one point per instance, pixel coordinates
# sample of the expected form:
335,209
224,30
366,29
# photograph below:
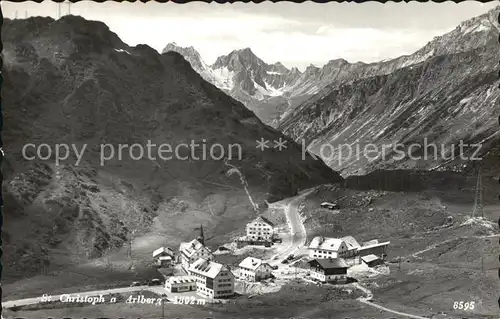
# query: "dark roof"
266,220
330,263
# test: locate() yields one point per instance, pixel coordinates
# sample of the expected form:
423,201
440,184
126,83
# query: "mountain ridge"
273,98
453,92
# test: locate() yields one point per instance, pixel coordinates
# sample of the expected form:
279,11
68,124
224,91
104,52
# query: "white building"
180,284
260,229
163,257
192,251
324,247
254,269
213,280
352,246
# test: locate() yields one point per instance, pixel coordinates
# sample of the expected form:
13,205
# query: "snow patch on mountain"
223,78
121,50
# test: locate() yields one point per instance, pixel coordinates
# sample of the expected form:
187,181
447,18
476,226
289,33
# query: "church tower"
201,238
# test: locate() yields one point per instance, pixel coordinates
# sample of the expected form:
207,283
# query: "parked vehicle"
285,261
135,284
155,282
329,205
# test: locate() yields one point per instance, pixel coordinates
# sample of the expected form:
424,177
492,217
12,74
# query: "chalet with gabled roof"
260,229
352,246
213,280
254,269
191,251
329,269
324,247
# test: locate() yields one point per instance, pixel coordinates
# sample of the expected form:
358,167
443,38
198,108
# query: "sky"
293,34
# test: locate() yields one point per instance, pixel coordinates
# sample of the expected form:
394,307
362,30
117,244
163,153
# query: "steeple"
201,238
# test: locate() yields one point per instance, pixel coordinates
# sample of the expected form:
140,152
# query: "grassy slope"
447,266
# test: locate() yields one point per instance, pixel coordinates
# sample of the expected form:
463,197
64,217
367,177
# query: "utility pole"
130,238
163,306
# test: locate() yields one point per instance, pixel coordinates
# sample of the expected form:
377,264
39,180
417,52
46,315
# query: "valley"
407,243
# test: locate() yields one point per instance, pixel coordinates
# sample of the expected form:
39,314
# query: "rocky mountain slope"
443,94
74,82
273,91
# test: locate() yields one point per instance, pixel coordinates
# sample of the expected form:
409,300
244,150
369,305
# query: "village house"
213,280
163,257
324,247
329,270
373,248
254,269
260,229
352,246
192,251
180,284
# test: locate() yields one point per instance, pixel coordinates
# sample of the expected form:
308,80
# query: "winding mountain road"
297,237
94,293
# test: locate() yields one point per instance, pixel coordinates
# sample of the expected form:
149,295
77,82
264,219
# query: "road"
32,301
297,237
391,311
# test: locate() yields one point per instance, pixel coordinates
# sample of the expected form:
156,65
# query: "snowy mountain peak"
238,60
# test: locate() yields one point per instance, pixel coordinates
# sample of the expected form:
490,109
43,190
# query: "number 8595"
461,305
